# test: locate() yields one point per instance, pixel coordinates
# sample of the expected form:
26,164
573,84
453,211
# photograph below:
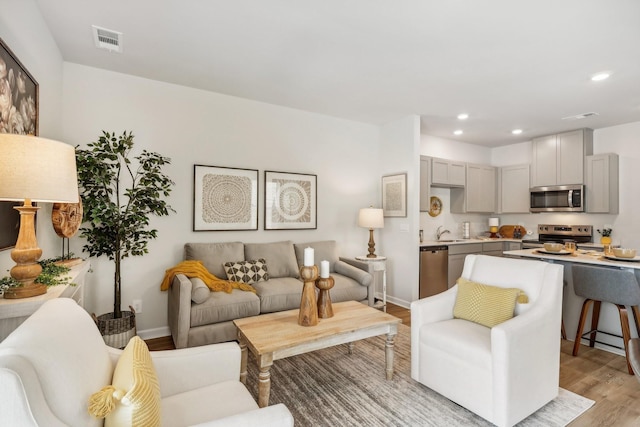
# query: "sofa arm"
361,276
191,368
363,266
179,310
271,416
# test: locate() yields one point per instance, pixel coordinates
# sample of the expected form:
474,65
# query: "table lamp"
33,169
493,227
371,218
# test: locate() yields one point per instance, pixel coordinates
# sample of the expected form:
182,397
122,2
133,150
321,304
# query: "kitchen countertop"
449,242
587,257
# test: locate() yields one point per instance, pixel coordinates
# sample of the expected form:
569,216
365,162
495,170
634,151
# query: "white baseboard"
148,334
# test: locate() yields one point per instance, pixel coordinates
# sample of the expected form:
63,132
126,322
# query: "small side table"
378,263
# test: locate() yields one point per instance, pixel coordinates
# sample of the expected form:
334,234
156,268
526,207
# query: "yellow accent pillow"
134,397
485,304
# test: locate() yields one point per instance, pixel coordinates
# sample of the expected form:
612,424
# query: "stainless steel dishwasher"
434,270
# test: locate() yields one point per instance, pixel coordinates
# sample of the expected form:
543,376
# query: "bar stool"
615,286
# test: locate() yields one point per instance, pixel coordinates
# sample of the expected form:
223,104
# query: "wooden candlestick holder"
308,315
325,310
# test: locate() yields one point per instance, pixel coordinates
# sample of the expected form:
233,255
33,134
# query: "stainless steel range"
560,233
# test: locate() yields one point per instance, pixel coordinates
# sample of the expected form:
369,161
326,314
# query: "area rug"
332,388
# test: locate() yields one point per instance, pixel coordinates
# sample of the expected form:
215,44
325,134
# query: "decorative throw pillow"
199,290
249,272
485,304
134,397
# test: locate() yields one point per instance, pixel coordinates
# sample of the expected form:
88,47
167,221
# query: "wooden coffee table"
277,335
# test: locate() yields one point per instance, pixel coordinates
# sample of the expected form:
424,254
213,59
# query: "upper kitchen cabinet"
513,189
425,183
447,173
479,193
602,183
559,159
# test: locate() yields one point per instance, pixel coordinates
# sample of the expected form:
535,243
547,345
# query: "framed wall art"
394,195
225,198
290,201
18,114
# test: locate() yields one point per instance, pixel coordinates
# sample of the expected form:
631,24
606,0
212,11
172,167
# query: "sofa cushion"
283,293
247,271
484,304
135,382
280,256
199,290
326,250
214,255
221,306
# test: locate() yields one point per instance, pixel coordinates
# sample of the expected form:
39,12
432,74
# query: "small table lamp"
371,218
39,170
493,227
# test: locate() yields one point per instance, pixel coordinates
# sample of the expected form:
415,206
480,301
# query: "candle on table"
324,269
308,257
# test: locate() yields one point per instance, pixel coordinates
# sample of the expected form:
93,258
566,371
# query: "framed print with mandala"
290,201
394,195
225,198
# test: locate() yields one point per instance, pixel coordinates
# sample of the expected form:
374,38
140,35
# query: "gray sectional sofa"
198,316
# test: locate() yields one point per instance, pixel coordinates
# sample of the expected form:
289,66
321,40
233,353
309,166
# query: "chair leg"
595,318
636,317
583,317
563,331
626,333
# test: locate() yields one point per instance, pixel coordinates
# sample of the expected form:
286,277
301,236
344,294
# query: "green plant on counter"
606,232
51,275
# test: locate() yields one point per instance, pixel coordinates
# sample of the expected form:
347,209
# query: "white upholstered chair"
53,362
504,373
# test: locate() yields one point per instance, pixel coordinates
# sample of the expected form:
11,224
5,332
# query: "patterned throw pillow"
485,304
247,271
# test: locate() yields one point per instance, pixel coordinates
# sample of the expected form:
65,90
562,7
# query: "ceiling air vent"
580,116
107,39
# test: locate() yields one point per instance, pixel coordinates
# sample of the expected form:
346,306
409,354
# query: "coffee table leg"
264,380
389,355
243,358
351,346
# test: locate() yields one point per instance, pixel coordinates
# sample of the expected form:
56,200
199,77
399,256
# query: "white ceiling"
507,63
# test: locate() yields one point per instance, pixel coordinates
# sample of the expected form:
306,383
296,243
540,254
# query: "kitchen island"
572,304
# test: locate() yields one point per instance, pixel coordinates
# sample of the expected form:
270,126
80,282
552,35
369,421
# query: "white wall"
197,127
25,32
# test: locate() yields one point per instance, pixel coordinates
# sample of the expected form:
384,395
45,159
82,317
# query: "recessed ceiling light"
516,131
457,132
600,76
463,116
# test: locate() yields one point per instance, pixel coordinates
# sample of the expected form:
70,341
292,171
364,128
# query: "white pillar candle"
324,269
308,257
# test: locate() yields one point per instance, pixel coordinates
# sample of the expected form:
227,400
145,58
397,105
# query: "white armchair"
53,362
504,373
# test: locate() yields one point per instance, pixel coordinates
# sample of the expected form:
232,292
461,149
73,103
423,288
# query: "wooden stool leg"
583,317
626,333
636,317
595,319
563,331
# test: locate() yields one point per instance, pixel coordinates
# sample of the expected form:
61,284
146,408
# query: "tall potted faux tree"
119,197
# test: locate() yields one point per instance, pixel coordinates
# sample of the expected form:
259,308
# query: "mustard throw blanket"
197,269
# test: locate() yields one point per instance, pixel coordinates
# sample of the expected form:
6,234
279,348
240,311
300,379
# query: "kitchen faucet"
440,232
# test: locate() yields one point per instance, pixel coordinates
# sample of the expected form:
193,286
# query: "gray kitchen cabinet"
457,254
513,189
447,173
559,159
601,184
479,193
512,246
425,183
492,248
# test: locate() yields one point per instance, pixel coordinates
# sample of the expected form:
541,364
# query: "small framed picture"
290,201
225,198
394,195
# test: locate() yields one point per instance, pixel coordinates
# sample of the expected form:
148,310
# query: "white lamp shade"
494,222
371,218
38,169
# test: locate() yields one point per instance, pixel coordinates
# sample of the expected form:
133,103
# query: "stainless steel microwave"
557,198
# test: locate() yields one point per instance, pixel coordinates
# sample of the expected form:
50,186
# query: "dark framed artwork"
225,198
290,201
18,114
394,195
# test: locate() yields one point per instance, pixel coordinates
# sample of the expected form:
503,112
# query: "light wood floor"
595,374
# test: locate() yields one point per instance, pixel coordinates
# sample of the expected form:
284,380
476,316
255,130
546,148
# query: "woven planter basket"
117,332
